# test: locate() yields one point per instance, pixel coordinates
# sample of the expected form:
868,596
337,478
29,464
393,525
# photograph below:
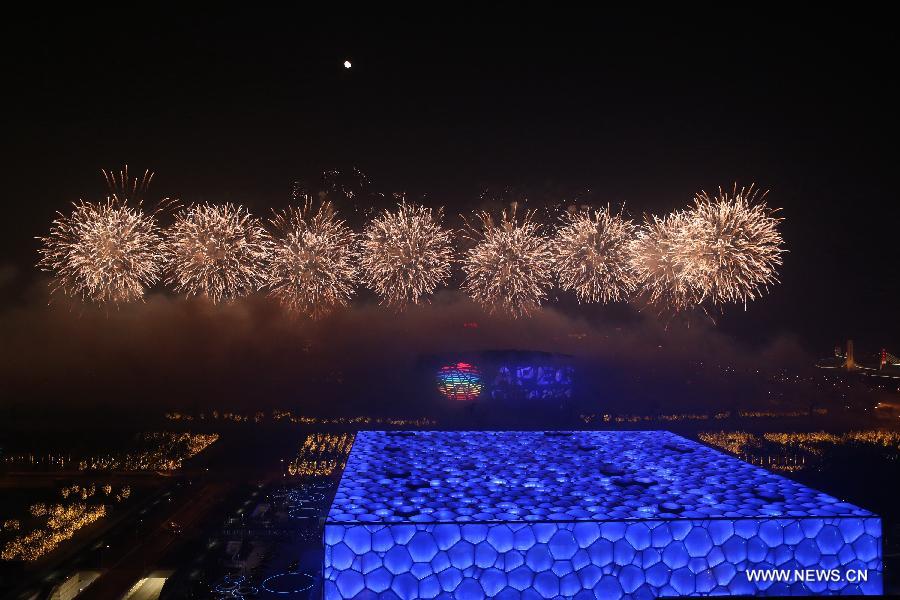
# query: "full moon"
347,64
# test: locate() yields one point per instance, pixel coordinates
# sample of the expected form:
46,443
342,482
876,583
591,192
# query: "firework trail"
738,246
592,255
311,268
511,265
406,254
353,191
217,251
663,256
125,187
103,252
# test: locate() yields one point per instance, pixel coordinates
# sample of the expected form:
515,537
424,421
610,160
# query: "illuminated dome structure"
500,377
459,381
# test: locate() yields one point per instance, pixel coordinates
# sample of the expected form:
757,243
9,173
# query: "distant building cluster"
793,451
322,455
158,451
47,525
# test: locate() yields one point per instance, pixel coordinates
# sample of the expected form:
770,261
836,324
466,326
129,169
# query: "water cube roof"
508,476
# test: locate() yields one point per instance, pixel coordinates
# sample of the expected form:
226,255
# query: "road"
222,471
82,552
128,567
148,588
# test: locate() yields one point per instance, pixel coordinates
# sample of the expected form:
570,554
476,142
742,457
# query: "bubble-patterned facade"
583,515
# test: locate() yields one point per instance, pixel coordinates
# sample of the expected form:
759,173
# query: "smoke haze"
172,353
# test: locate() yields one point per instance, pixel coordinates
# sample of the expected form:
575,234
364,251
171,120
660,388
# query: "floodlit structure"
459,381
503,376
583,515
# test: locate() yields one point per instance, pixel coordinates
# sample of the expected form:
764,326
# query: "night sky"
237,108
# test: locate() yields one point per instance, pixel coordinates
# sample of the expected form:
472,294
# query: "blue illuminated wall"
533,382
579,514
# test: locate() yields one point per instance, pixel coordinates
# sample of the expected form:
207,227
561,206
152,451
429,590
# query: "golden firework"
103,252
311,269
219,251
737,245
406,254
510,267
592,255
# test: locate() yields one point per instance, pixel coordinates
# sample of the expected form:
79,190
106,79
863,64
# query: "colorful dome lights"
459,381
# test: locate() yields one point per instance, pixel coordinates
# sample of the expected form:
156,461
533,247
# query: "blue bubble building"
583,514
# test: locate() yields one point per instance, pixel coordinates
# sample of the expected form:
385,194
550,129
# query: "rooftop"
490,476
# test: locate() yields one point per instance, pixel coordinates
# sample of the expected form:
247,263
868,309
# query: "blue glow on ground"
288,583
579,514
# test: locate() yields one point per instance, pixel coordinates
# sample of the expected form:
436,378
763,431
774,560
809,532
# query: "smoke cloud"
171,353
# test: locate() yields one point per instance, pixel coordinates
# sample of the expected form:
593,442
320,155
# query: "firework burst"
738,246
406,254
311,268
510,267
592,255
663,257
103,252
217,251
